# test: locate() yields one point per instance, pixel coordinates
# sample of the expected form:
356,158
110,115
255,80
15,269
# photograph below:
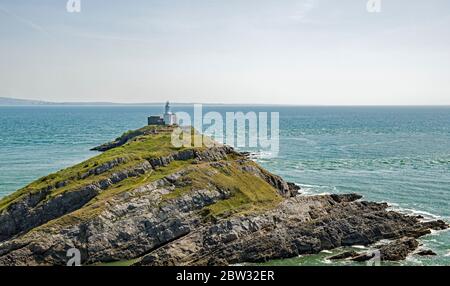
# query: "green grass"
97,205
134,152
248,192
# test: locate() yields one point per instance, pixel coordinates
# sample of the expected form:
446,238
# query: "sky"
302,52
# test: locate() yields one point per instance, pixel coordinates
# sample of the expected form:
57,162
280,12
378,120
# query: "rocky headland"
144,202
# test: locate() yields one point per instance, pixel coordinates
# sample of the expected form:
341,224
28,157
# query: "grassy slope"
249,193
134,152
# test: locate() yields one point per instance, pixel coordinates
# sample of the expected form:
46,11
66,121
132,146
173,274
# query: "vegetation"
156,143
247,193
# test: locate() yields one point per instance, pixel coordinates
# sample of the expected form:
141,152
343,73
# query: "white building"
169,117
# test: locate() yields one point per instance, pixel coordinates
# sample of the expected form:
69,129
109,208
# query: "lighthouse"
167,108
168,117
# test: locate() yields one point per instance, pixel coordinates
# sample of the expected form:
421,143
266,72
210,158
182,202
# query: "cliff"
144,202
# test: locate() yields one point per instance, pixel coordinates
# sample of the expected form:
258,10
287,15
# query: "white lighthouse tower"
169,117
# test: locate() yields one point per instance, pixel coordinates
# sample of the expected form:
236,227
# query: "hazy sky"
228,51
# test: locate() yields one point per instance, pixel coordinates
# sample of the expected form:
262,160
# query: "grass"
97,205
134,152
248,193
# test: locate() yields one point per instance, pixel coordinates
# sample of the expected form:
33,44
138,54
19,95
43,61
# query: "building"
155,120
168,117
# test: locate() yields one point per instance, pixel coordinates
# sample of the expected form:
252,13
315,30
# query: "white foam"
447,255
411,259
314,190
263,155
359,246
316,194
383,242
413,212
392,204
306,191
326,251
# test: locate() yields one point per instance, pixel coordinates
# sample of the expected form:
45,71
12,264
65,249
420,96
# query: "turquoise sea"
400,155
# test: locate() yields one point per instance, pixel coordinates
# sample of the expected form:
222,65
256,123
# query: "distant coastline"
10,101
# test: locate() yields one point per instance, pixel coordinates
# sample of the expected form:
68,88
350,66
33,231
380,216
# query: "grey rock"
344,255
396,250
143,223
287,232
426,252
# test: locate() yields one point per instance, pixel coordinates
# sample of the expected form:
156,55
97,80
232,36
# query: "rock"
120,141
344,255
29,213
181,215
399,249
436,225
364,257
394,251
346,197
246,154
283,237
294,187
426,252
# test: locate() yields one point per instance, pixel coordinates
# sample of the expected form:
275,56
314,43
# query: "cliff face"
144,202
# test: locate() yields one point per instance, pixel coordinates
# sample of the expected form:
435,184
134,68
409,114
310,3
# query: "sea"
398,155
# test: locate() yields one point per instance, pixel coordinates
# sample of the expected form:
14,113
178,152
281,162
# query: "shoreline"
214,195
312,150
393,207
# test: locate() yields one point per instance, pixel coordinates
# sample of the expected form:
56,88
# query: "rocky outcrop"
191,206
426,252
394,251
23,215
398,249
124,138
38,208
300,225
101,169
344,255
